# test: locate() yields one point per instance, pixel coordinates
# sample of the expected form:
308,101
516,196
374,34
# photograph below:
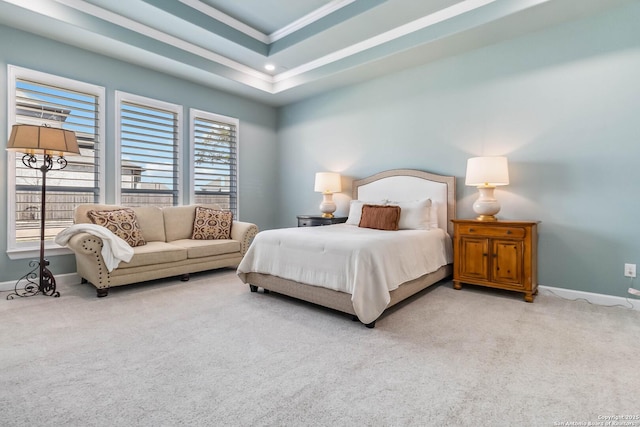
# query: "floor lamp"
50,142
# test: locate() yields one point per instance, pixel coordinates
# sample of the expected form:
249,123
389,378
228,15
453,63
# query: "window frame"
195,114
22,250
120,97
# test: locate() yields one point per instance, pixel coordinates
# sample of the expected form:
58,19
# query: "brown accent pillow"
380,217
212,224
121,222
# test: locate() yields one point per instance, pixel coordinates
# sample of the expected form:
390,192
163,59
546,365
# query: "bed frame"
395,185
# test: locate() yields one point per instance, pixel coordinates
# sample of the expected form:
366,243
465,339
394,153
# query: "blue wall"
257,147
562,104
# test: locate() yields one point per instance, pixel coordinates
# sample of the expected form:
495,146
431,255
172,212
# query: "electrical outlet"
630,270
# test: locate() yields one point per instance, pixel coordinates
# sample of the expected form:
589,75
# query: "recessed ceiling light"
269,67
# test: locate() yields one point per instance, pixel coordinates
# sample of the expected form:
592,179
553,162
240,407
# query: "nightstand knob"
508,231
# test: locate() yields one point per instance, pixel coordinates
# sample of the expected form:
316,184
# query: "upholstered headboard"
407,185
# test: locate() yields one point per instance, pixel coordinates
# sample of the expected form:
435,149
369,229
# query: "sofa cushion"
178,221
151,223
121,222
205,248
155,253
211,224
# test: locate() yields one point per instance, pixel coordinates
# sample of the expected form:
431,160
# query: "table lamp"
327,183
486,173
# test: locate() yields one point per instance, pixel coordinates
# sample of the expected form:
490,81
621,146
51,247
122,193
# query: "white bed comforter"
363,262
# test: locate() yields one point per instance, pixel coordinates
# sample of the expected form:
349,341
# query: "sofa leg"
83,280
102,292
253,288
370,325
185,277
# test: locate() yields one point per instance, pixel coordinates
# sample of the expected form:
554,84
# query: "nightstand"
498,254
315,220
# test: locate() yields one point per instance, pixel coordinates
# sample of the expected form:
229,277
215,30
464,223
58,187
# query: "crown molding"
401,31
308,19
218,15
252,77
248,30
130,24
191,49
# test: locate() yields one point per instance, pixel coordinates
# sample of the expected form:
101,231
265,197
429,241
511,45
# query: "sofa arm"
89,262
85,243
244,232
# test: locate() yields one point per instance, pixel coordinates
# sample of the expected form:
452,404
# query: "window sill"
34,252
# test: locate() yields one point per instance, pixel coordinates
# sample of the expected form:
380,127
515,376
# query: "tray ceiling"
313,45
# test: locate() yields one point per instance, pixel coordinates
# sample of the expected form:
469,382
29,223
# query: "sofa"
168,249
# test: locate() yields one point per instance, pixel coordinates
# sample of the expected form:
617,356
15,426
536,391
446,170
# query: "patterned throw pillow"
212,224
121,222
380,217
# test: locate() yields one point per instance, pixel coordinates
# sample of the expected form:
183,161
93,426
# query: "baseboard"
61,280
631,302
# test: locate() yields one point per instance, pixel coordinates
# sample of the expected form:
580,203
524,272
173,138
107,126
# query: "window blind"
215,162
149,155
39,103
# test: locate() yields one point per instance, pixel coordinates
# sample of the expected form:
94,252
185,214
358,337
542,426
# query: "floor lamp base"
37,281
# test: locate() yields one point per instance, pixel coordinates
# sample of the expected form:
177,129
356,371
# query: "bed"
345,267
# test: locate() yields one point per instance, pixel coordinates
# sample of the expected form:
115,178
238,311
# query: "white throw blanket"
362,262
114,249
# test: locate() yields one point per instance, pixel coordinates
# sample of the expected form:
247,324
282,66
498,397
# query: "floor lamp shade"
328,183
47,142
486,173
31,139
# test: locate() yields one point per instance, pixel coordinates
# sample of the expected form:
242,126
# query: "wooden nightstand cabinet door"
474,259
507,262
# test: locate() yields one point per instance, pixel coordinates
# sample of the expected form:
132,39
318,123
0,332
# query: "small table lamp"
328,183
51,143
486,173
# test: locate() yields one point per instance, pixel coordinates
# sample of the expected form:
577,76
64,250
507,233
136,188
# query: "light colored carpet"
208,352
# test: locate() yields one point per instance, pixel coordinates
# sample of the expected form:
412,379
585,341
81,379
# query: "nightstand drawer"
489,231
308,223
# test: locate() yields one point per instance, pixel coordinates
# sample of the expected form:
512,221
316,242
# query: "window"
39,98
214,143
149,154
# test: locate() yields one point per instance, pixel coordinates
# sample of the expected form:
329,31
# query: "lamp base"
328,206
46,285
486,206
486,218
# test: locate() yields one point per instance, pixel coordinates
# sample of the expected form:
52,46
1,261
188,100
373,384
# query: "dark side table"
316,220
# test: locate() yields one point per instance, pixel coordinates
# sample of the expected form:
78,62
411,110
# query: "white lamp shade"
328,182
487,171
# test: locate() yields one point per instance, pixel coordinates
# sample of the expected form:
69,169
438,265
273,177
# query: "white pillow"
355,210
414,215
433,216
